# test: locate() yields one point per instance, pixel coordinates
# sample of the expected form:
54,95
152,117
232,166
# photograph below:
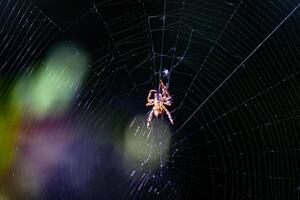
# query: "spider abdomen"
158,111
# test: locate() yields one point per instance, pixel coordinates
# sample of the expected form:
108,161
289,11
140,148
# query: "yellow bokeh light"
146,147
10,119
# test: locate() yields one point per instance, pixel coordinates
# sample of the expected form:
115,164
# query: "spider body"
158,110
159,100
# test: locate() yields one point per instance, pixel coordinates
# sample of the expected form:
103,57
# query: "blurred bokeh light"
52,87
148,148
38,138
10,118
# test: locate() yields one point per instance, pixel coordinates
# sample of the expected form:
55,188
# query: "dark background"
242,142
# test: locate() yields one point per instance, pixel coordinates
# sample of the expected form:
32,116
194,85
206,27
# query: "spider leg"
162,85
150,116
169,115
150,103
150,94
168,103
165,93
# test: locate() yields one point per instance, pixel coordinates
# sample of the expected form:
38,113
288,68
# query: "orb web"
231,67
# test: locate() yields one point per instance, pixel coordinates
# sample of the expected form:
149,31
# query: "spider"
159,103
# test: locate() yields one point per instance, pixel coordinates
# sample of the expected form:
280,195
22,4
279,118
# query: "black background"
243,142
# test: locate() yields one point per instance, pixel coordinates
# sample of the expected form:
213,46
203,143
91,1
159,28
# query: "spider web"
233,73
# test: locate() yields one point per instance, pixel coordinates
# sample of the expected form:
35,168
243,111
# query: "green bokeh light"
52,88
